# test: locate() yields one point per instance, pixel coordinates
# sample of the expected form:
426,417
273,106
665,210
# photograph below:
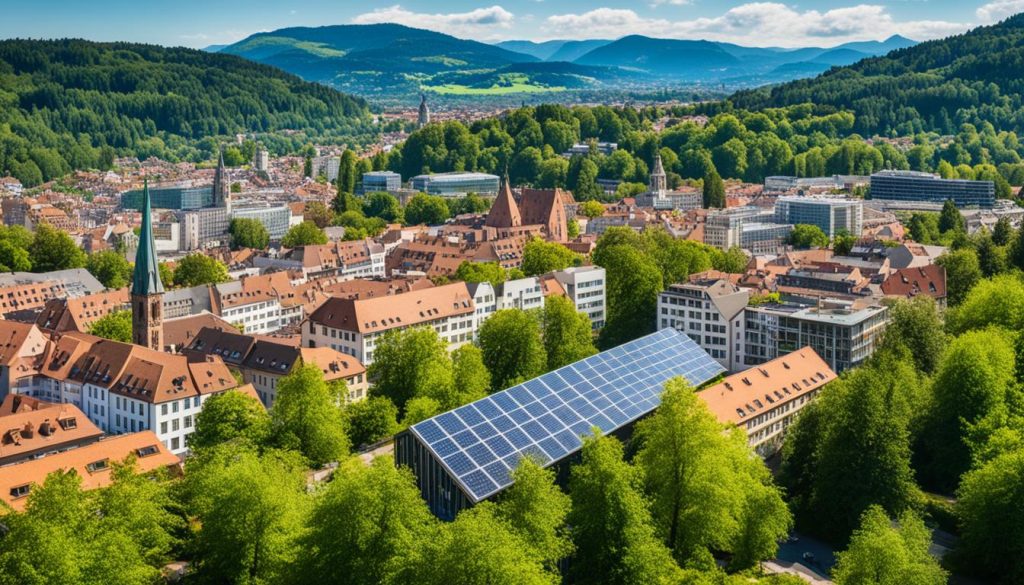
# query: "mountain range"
391,60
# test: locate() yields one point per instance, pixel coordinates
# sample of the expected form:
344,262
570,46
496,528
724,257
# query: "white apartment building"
711,313
354,326
256,311
585,287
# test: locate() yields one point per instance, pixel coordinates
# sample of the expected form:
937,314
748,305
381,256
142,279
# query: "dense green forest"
974,78
737,144
73,104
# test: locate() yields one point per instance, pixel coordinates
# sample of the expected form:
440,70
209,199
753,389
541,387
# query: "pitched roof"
146,277
405,310
29,432
180,331
78,314
90,462
909,282
504,212
15,403
752,392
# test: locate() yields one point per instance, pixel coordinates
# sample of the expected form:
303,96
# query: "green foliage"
14,249
230,417
419,409
303,234
572,229
363,526
53,249
996,301
631,293
734,260
370,420
307,416
708,493
426,209
883,554
121,535
478,548
924,228
591,209
116,325
411,363
110,268
975,380
916,326
992,519
950,218
615,537
471,203
962,272
512,348
843,243
166,274
75,104
536,509
858,428
567,333
472,272
806,236
250,510
198,268
382,205
247,232
471,377
319,214
713,190
541,257
347,173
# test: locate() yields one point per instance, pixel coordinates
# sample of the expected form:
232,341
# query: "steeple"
221,184
424,116
504,213
659,181
147,290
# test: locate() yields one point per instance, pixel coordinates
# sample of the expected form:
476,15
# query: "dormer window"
147,451
20,491
99,465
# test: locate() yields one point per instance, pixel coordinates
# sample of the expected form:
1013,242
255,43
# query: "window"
174,424
20,491
147,451
163,408
163,428
97,465
175,443
174,406
188,422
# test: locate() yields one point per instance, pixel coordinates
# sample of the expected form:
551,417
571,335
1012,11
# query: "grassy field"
506,84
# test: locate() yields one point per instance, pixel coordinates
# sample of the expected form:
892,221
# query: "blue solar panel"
544,418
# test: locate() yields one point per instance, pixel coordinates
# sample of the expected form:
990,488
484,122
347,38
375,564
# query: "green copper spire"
146,279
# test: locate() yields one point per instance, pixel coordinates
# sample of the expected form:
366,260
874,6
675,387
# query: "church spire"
221,183
147,290
146,278
424,114
659,180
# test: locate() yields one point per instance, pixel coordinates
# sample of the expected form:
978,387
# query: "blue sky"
198,23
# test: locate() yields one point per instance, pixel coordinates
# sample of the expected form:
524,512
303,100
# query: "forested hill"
70,104
975,77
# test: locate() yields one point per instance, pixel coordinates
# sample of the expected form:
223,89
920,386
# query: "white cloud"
999,9
754,24
481,23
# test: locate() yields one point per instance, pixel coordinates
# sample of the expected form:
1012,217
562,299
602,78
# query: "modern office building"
387,181
177,197
465,456
584,148
711,313
750,228
456,184
203,228
277,219
585,287
831,215
842,335
915,186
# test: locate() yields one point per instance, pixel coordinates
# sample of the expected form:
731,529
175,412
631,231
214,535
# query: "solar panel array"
480,443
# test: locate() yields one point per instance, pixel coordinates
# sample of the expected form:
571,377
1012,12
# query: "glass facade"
913,186
381,181
177,198
456,184
831,215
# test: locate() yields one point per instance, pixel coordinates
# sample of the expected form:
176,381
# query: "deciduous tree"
512,348
109,267
308,417
886,554
247,232
567,333
303,234
231,416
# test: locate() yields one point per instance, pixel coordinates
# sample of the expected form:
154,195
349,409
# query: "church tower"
659,180
221,184
424,117
147,290
504,212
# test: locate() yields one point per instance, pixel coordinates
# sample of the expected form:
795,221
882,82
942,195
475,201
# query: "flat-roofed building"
386,181
456,184
177,197
354,326
764,400
830,214
585,287
916,186
843,334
